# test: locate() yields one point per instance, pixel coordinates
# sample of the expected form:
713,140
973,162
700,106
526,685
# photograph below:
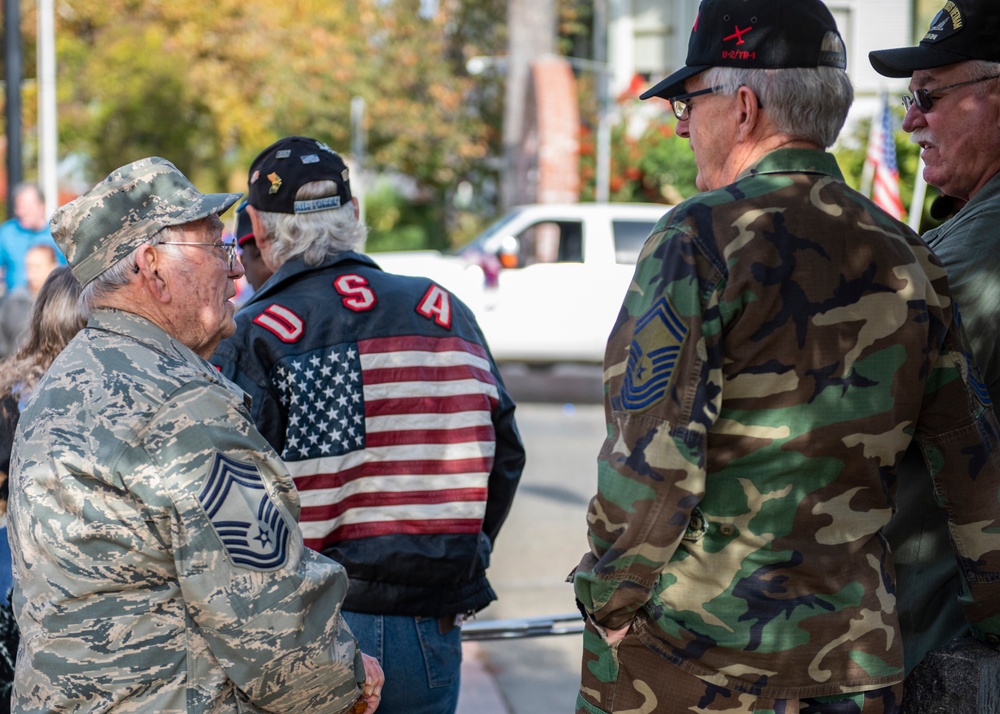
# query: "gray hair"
97,291
312,236
983,69
807,103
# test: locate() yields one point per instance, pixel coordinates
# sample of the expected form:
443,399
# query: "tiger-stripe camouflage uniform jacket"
158,562
781,344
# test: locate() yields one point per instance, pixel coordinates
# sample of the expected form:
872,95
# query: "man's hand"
371,691
618,635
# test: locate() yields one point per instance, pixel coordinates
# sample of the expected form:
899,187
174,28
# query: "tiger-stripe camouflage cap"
125,210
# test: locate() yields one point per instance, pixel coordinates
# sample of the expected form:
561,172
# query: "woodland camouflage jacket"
781,344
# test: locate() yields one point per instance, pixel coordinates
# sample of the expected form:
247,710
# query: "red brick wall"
548,166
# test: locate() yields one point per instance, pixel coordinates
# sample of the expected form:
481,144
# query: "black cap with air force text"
757,34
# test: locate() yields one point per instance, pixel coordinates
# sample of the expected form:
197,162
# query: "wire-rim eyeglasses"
681,107
229,248
679,104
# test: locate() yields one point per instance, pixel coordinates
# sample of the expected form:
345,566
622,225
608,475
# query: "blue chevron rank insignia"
656,345
247,521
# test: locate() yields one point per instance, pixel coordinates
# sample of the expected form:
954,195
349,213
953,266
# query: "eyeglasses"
924,98
229,248
681,106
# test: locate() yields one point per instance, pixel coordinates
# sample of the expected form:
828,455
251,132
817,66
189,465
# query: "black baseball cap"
962,30
281,169
756,34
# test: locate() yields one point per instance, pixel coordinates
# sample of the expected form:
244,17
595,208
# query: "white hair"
312,236
95,293
983,69
808,103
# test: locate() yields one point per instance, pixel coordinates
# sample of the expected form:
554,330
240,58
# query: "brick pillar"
548,166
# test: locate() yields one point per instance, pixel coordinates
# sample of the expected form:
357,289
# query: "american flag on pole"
882,158
389,436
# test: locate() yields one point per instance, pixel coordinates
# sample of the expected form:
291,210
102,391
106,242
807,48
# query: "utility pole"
531,31
12,77
48,141
602,177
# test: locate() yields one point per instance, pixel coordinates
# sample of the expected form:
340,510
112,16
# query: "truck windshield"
488,242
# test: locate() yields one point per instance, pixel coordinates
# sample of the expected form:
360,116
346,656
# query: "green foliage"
396,222
852,148
208,85
656,166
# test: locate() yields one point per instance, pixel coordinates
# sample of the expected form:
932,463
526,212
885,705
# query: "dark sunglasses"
924,98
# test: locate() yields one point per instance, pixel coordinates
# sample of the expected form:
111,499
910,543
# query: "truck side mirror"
510,249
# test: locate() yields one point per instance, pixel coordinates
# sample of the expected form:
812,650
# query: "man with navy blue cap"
953,114
381,396
782,343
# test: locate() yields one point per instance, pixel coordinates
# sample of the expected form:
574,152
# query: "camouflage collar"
145,331
784,161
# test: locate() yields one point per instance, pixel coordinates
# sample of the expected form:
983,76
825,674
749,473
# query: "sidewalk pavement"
479,693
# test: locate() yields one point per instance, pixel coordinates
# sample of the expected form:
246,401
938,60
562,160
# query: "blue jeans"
422,667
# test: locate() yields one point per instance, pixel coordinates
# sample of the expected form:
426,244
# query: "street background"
561,420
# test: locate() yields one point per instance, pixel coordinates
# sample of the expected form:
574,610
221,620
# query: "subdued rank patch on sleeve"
976,382
248,523
656,344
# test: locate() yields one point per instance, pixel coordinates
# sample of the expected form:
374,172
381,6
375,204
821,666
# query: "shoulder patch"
656,344
249,524
282,322
436,305
356,294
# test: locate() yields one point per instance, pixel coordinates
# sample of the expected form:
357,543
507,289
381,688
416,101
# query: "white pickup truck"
545,281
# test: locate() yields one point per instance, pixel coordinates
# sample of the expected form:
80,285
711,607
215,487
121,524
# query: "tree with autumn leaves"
208,85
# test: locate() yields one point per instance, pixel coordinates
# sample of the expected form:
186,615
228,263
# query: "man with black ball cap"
953,113
783,342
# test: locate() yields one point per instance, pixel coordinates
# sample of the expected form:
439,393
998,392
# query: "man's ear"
748,108
149,264
264,242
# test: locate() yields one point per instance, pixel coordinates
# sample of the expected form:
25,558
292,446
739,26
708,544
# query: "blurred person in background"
27,228
15,308
157,558
381,396
55,318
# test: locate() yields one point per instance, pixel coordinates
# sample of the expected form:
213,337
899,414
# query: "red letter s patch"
356,294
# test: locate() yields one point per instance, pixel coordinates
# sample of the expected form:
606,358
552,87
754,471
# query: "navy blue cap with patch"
281,169
962,30
757,34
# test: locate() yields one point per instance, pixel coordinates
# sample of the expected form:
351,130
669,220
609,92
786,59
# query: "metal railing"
522,627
